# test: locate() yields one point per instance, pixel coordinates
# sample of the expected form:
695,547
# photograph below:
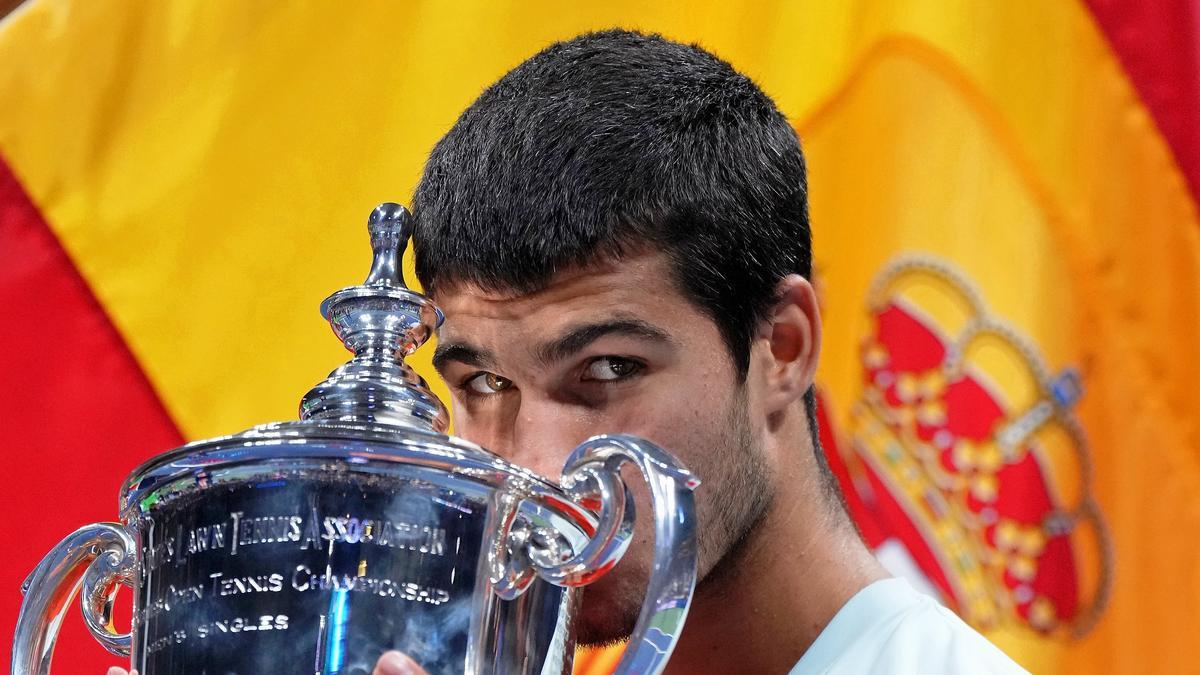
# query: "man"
618,233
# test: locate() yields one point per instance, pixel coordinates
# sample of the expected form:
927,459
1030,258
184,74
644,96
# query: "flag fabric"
1004,205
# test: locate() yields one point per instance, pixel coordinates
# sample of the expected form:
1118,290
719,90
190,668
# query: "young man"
618,233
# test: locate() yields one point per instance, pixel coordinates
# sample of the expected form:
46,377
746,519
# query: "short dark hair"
610,143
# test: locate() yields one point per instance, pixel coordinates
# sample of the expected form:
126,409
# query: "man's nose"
545,433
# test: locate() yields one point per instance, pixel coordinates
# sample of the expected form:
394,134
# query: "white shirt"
889,628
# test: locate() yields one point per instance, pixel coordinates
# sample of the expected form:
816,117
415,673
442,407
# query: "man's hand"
391,663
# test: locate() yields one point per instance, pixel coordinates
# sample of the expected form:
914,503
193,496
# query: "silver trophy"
314,546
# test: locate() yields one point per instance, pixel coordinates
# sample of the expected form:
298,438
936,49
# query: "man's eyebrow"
579,337
461,352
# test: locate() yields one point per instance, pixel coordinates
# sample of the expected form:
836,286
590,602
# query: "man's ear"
793,331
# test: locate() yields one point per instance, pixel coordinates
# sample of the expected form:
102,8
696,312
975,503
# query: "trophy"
314,546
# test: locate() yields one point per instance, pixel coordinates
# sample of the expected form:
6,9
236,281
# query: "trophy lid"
381,321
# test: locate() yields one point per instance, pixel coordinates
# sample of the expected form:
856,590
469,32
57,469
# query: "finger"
117,671
395,663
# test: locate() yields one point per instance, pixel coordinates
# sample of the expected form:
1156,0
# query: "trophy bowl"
314,546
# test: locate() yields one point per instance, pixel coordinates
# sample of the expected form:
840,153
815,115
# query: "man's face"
614,348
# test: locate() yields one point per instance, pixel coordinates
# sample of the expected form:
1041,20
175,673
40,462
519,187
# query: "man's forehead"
630,281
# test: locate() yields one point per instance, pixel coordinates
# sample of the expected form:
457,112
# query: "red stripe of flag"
76,411
1158,43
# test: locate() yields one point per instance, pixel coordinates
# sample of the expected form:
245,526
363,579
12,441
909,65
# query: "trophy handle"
593,471
97,558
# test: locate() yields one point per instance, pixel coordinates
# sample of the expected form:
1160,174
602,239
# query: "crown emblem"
964,447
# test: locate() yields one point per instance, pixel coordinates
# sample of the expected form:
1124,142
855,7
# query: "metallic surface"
54,582
380,321
314,546
673,579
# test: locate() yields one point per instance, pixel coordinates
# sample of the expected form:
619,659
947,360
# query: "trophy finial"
381,321
390,226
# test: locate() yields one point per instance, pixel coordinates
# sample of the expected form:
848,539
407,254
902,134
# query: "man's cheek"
666,421
657,415
473,426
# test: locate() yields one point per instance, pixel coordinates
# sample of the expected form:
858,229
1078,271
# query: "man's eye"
487,383
609,368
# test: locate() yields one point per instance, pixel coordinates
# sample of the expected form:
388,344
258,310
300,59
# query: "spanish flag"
1004,205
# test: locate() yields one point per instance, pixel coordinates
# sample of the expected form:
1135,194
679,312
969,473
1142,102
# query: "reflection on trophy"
363,528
